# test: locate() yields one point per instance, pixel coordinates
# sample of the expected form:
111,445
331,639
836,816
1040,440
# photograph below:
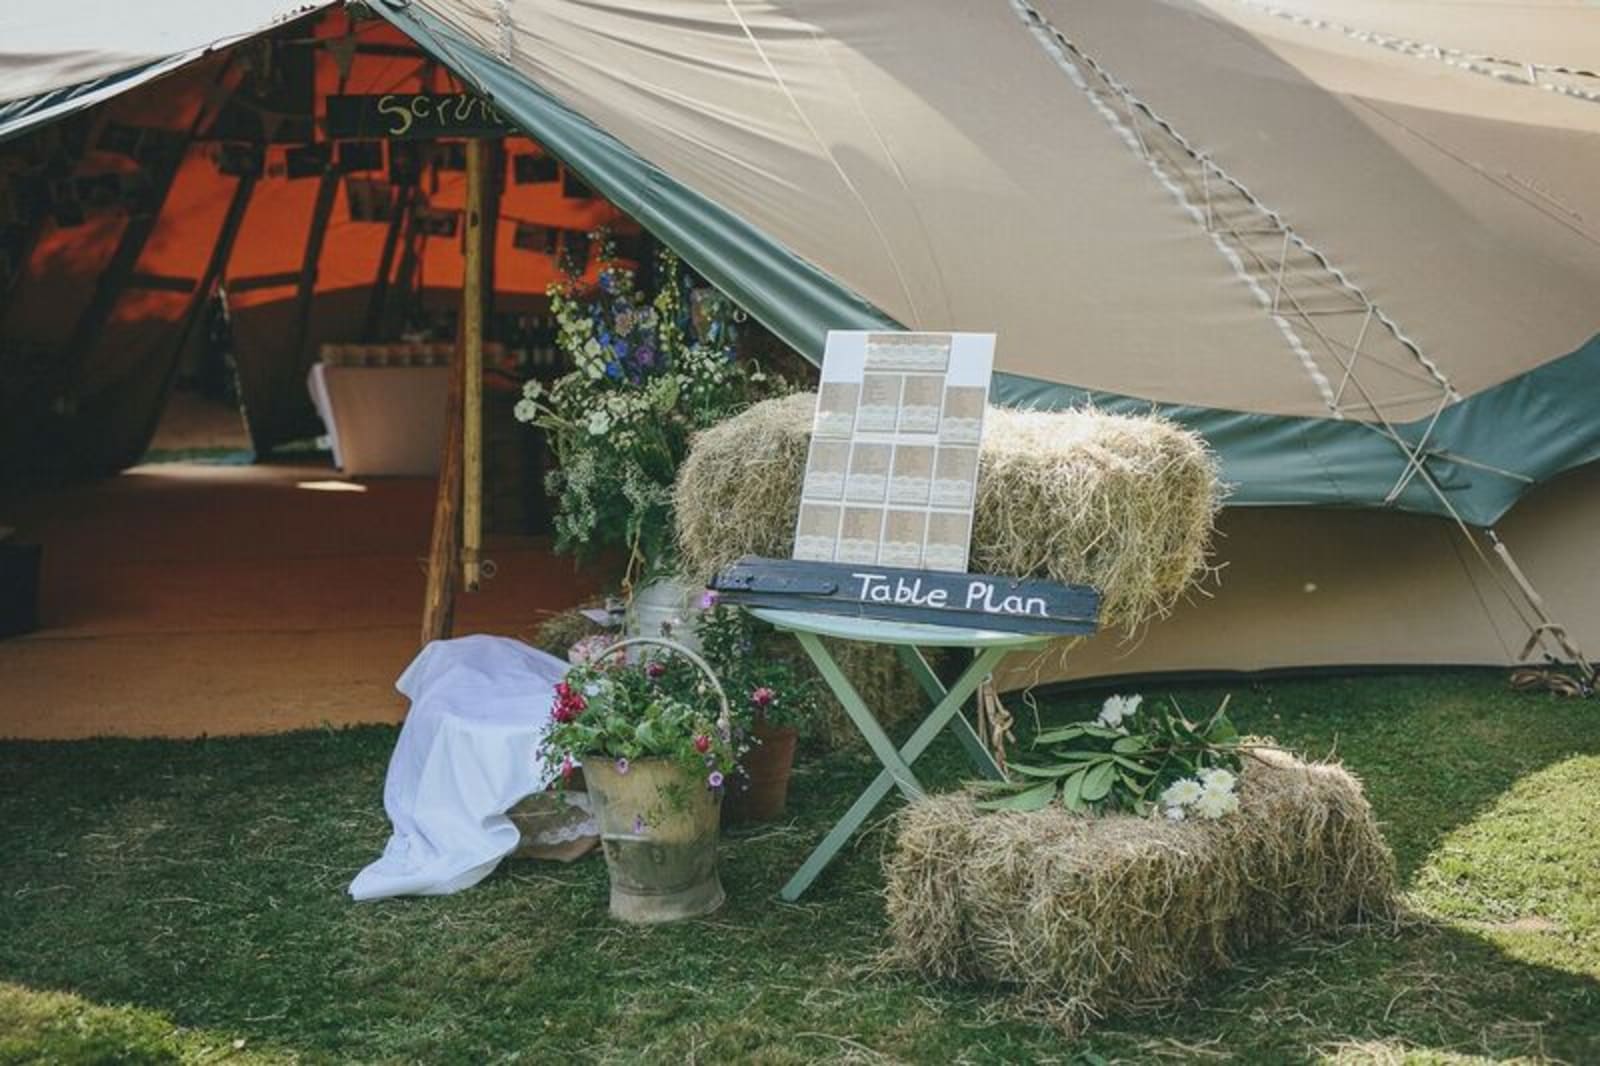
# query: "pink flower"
566,767
654,669
702,743
593,649
763,697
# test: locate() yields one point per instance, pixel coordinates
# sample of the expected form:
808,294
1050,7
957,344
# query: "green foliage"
1124,760
649,369
764,690
606,709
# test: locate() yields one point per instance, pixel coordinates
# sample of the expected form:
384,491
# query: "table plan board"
892,472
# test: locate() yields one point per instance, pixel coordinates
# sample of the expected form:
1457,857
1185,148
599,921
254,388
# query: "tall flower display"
648,370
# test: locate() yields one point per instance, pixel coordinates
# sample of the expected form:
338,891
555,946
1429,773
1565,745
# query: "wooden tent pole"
472,359
458,506
377,300
306,287
439,601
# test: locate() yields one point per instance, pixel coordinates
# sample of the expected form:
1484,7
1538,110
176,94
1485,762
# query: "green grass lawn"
184,901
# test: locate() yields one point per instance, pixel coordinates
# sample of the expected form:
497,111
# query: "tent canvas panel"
1306,587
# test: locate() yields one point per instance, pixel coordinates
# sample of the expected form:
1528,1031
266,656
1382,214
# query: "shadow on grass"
1430,988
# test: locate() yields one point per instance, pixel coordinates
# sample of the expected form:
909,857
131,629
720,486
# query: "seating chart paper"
893,468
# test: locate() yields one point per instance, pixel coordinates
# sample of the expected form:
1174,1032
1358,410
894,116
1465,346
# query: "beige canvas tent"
1355,244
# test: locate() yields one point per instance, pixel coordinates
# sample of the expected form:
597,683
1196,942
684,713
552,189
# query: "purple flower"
645,356
638,824
714,779
708,599
622,766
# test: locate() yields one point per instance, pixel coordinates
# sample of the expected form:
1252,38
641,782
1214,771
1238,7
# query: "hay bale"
738,490
1123,503
1084,915
561,630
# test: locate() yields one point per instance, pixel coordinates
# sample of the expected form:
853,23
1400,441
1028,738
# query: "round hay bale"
1123,503
1084,915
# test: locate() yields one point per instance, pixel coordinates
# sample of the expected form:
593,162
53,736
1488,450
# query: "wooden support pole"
472,359
306,287
458,506
111,282
378,298
215,266
439,601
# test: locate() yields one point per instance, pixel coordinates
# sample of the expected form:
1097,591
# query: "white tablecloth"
382,420
467,753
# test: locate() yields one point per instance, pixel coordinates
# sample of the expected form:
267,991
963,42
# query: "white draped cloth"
469,750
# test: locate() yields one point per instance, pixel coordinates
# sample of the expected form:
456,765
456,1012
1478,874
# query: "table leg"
971,743
919,740
863,717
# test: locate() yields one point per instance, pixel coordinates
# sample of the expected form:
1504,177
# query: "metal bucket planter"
663,608
761,792
659,827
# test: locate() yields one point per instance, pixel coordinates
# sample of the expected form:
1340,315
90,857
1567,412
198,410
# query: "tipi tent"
1354,244
127,216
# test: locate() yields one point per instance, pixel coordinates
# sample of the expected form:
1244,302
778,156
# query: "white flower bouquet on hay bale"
1090,890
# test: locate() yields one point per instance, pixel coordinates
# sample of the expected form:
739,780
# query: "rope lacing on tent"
1554,78
1303,292
1235,219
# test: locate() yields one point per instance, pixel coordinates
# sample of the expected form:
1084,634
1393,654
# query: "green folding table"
988,647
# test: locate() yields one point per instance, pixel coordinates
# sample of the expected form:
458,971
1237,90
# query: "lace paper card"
899,419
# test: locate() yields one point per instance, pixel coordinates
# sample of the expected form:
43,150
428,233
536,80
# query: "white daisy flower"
1217,778
1181,793
1116,708
1214,803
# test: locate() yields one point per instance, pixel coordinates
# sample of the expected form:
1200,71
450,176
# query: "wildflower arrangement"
623,711
765,691
1136,757
648,370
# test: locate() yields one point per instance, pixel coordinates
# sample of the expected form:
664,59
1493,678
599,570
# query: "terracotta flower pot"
761,793
658,830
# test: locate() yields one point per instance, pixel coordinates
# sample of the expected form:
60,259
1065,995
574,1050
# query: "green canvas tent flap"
1447,454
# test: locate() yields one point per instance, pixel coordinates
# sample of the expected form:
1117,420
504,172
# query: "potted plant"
648,370
771,704
656,759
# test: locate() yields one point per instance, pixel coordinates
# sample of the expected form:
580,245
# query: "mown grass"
166,901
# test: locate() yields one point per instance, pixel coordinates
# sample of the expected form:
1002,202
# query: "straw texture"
1079,915
1125,504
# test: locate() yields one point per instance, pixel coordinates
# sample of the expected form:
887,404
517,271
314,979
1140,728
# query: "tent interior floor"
180,599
